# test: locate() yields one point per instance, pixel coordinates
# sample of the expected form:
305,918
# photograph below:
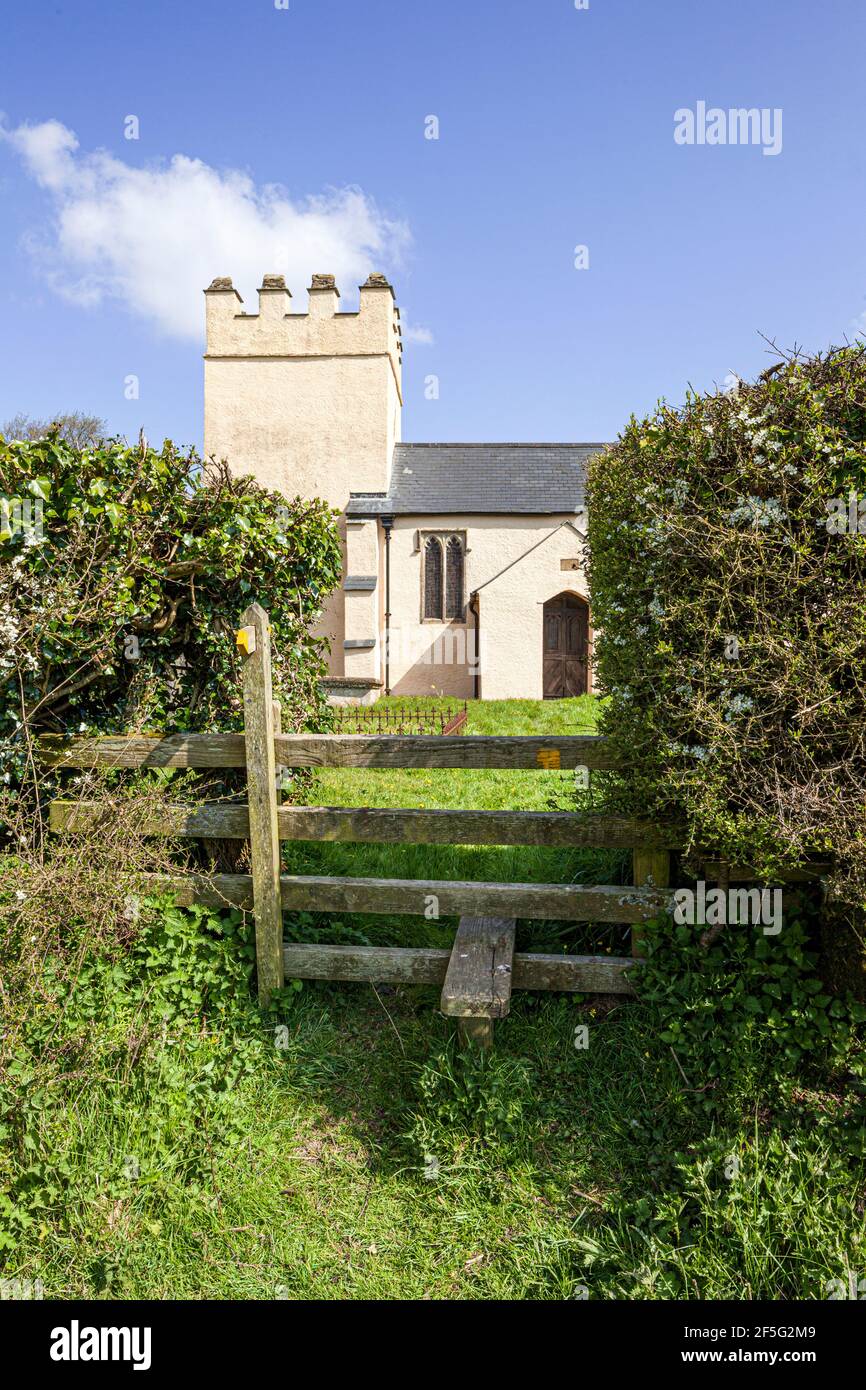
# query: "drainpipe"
475,609
387,523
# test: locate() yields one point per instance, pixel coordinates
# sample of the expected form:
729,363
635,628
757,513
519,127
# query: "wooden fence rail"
427,966
225,820
556,902
515,751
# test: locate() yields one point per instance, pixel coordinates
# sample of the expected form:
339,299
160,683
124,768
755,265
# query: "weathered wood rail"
223,820
422,965
556,902
513,751
482,968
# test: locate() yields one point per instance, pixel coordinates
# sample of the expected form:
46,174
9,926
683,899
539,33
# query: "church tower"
310,405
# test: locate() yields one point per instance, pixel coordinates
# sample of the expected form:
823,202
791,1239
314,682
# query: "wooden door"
566,647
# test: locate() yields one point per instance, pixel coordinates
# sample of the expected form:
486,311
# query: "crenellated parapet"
323,331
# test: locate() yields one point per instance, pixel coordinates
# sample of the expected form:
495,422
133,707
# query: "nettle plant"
123,572
728,572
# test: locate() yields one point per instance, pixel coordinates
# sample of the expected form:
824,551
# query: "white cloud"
416,333
154,237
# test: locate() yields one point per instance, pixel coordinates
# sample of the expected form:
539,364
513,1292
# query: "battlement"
323,331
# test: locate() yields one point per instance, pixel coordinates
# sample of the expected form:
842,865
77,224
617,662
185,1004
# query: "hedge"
123,571
727,556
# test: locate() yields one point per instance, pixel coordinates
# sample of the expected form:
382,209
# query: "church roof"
509,478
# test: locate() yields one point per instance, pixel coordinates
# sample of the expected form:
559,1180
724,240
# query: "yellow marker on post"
245,638
547,757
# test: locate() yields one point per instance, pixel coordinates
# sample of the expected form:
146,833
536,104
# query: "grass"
342,1148
351,1166
476,789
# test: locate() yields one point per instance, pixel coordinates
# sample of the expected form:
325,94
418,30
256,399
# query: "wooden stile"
478,974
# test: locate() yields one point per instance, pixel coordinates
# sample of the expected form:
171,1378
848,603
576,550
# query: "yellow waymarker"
547,757
246,640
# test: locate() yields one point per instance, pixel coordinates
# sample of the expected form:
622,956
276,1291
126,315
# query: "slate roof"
505,478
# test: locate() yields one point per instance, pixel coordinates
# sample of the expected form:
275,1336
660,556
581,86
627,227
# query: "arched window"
443,578
433,578
454,579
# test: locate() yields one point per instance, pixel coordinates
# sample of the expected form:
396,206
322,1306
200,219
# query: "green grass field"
477,789
345,1149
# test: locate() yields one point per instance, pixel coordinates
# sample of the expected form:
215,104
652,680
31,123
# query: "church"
463,568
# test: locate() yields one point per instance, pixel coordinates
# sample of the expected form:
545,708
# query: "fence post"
254,640
654,864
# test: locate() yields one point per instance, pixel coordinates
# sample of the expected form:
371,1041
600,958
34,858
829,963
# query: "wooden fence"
482,968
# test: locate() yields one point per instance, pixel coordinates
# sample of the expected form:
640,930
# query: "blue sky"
555,130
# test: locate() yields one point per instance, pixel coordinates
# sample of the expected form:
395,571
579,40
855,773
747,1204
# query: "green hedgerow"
123,572
727,553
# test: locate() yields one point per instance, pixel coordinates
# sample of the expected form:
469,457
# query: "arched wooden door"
566,647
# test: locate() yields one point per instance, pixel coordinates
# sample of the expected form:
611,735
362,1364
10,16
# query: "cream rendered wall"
433,657
362,606
308,403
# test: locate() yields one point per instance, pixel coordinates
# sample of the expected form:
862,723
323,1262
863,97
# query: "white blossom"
758,511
